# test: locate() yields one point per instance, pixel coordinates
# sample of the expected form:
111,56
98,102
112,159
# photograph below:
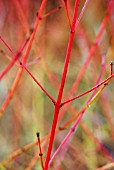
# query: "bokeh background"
29,110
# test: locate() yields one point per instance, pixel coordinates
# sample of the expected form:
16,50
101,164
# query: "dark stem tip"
38,134
111,63
40,154
20,63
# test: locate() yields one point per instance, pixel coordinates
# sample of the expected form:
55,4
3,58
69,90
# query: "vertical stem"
60,93
40,154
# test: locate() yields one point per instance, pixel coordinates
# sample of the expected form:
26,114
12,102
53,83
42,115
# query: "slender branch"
7,46
36,81
16,56
67,12
51,12
88,91
81,13
33,61
40,154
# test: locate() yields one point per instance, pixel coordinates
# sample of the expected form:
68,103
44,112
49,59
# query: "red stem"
88,91
16,56
36,81
67,12
51,12
60,93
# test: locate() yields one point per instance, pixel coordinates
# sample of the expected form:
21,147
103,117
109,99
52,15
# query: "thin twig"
37,82
88,91
16,56
40,154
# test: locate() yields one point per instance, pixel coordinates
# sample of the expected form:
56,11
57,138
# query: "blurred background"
30,111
